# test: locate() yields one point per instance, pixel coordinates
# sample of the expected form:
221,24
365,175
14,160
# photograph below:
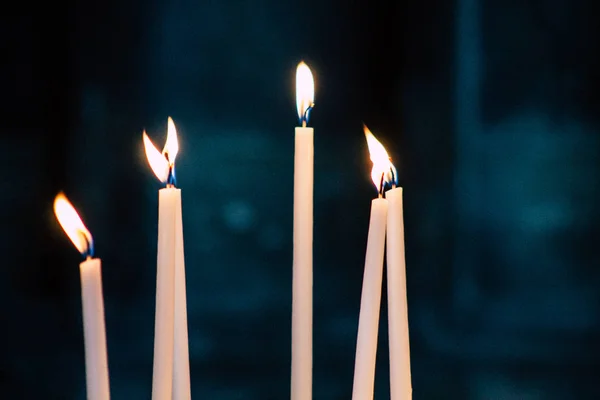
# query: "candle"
94,332
368,322
399,346
400,380
301,381
171,374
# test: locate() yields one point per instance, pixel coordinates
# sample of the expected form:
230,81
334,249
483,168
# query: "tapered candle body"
162,379
181,358
370,304
399,345
301,383
94,332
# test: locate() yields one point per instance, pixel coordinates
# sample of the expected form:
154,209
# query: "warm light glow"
71,223
171,145
157,161
305,89
162,162
382,164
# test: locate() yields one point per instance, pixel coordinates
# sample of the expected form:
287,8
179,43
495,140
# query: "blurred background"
490,111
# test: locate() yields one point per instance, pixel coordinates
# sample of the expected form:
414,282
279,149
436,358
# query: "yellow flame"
382,165
161,162
71,223
171,145
305,89
158,162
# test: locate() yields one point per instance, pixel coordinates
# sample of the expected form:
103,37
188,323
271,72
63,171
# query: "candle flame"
72,225
382,164
305,91
162,163
172,144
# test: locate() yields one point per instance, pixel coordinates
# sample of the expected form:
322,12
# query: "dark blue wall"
488,110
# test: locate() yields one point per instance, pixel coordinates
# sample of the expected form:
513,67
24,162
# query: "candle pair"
171,373
386,224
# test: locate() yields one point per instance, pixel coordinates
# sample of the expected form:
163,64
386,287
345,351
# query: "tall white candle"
370,303
92,300
301,381
399,345
181,358
162,378
171,374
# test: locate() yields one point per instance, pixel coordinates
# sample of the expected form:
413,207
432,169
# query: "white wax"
162,378
301,383
94,332
400,380
181,359
370,303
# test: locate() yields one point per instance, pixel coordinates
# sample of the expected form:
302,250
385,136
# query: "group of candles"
171,373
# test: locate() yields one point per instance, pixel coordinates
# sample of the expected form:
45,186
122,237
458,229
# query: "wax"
94,331
181,359
399,346
162,379
302,288
370,303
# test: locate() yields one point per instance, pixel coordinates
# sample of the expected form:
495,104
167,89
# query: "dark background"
490,112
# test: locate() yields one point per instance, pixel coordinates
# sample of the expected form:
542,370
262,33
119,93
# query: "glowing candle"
368,322
92,300
171,375
301,382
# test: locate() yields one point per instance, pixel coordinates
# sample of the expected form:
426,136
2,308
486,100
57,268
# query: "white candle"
370,303
164,321
384,172
94,333
92,300
171,374
399,345
301,381
181,358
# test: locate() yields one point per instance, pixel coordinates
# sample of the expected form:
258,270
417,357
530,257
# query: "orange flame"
162,162
382,164
72,224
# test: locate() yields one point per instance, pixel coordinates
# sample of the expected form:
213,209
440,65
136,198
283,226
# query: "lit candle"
171,376
399,344
370,303
92,300
301,384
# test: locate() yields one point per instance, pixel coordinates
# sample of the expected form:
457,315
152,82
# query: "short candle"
92,300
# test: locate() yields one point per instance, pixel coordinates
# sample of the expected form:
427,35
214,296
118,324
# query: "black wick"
171,174
89,248
394,181
381,185
304,118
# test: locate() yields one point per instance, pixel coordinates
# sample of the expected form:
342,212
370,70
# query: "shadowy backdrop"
488,109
